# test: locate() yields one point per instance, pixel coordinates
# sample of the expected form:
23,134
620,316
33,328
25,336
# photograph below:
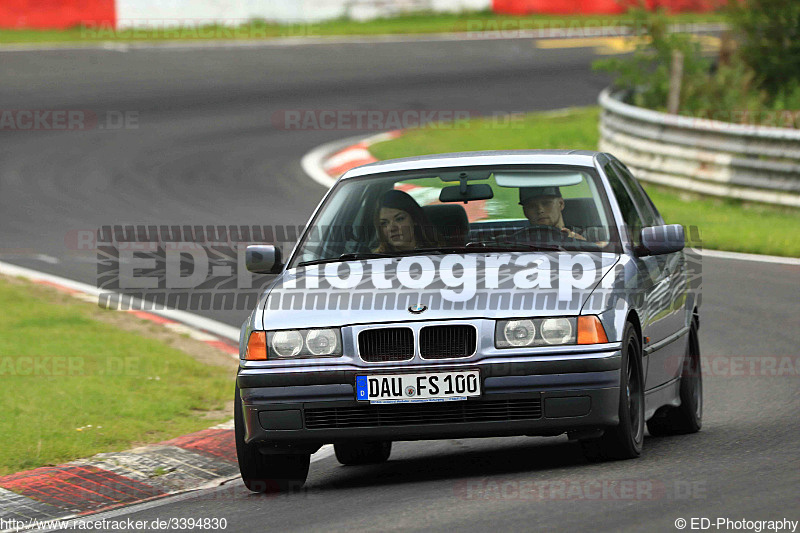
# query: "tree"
768,32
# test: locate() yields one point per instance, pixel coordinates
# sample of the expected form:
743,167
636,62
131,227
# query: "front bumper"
529,396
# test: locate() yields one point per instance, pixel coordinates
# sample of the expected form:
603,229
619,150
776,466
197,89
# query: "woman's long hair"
424,232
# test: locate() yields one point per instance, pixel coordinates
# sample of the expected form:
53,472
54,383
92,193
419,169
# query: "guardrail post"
675,79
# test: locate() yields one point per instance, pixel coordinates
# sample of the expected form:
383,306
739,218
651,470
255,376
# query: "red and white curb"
110,480
325,163
328,162
356,155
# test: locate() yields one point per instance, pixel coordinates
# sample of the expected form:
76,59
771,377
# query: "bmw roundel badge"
418,308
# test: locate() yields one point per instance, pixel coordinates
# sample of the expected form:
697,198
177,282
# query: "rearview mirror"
466,193
263,259
659,240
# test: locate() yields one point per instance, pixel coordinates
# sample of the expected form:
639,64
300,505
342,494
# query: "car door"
666,357
652,280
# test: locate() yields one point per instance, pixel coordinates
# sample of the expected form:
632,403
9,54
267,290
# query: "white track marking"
736,256
313,162
323,453
192,332
47,259
347,156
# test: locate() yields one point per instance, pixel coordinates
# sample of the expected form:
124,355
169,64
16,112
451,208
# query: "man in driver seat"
543,206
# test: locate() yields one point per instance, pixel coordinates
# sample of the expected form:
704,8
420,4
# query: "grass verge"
414,23
724,224
74,383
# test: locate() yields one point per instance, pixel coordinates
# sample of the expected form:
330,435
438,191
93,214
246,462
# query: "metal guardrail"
755,163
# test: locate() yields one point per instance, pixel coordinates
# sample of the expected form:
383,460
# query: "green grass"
723,224
72,386
731,224
412,23
574,128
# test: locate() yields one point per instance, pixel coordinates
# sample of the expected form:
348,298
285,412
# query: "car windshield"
460,210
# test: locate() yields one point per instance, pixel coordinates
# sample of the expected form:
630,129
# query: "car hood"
434,288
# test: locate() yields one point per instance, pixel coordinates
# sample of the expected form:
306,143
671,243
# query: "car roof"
484,158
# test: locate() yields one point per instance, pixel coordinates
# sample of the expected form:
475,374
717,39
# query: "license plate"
416,388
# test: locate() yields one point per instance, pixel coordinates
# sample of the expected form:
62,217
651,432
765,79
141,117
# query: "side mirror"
263,259
659,240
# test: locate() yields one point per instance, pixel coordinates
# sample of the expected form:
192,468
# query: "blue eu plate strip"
361,388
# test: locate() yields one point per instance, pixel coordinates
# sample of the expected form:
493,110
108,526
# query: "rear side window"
648,211
629,212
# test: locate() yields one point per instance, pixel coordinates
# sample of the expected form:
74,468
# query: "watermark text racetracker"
391,119
67,120
738,366
186,268
49,365
574,490
133,29
122,524
561,28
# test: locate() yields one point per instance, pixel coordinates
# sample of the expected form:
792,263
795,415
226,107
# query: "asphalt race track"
205,152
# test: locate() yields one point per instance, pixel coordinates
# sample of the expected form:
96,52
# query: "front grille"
386,344
368,416
447,342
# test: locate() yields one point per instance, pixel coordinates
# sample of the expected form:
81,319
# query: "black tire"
266,473
688,416
625,440
362,453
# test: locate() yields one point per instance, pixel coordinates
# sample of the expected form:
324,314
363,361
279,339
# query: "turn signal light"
590,330
257,346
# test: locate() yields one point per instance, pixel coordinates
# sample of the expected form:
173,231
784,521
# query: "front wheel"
625,440
266,473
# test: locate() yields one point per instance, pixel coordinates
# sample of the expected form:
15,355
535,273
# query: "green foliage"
758,74
647,70
769,35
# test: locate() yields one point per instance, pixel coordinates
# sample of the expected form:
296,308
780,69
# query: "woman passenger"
401,224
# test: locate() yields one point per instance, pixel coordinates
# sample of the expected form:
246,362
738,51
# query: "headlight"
321,341
286,343
557,331
304,343
520,333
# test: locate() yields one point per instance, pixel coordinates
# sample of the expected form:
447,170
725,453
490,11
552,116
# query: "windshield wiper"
345,257
481,248
442,250
516,246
